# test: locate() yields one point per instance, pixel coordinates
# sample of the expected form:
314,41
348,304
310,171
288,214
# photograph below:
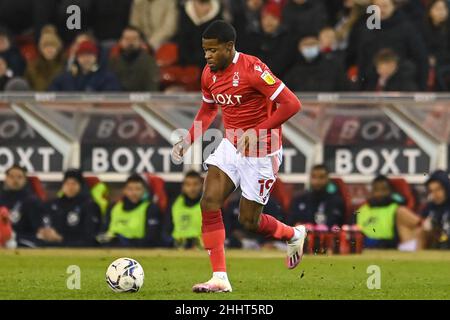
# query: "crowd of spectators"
155,45
82,215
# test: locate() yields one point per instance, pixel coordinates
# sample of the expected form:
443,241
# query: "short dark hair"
192,174
320,167
382,178
17,167
386,55
136,178
220,30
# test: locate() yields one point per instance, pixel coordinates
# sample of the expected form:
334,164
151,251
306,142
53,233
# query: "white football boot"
215,284
295,248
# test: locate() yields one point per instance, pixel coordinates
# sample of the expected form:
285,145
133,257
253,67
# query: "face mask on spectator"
310,53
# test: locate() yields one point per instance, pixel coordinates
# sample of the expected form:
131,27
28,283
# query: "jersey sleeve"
206,94
264,81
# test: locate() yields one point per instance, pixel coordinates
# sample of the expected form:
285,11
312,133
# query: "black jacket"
398,34
319,207
402,80
26,215
277,50
305,19
77,220
324,73
440,214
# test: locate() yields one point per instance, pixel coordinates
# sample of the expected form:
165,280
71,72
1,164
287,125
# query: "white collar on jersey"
236,57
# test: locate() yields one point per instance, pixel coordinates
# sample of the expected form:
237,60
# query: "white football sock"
297,235
408,246
221,275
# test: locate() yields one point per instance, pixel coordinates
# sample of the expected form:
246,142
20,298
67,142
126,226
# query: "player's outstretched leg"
217,188
251,218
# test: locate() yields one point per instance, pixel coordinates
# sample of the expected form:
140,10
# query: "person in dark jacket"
134,221
133,65
86,75
304,17
322,204
25,209
437,211
436,33
194,18
74,215
272,44
11,53
315,71
391,74
396,33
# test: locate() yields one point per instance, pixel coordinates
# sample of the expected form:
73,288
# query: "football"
125,275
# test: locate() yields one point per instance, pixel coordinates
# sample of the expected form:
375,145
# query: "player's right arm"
205,116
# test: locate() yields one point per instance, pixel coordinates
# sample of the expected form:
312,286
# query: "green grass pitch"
170,274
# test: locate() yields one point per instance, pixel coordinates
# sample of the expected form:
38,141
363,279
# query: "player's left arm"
274,89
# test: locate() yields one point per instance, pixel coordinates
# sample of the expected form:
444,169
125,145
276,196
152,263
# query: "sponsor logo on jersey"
227,99
267,77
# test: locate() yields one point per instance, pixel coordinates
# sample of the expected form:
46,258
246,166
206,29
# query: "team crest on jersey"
236,79
214,79
267,77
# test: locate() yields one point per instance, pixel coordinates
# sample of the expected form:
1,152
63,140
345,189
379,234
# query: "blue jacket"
98,81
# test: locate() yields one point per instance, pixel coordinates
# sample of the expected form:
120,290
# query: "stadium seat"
157,186
37,187
91,181
167,55
404,189
346,197
188,77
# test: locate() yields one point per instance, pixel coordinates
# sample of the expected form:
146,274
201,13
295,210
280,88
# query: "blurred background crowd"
155,45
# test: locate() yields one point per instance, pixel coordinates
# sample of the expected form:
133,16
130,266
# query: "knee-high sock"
271,227
213,234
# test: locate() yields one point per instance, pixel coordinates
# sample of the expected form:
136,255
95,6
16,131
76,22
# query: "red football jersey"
246,91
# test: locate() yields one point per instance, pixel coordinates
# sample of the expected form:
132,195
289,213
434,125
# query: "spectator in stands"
103,55
134,220
322,204
437,211
246,15
304,17
315,71
273,44
135,68
5,74
396,33
75,217
24,207
187,214
11,53
352,21
390,73
329,44
386,222
194,17
158,19
86,75
436,32
49,63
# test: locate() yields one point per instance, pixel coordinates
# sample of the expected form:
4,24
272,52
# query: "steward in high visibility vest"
386,222
186,213
133,220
